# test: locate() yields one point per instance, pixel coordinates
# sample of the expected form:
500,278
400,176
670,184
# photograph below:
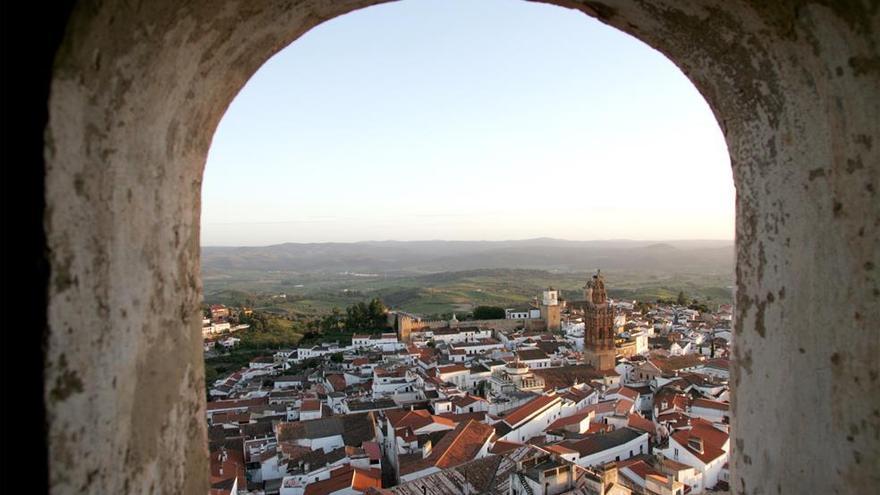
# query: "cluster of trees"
488,313
366,316
359,316
682,300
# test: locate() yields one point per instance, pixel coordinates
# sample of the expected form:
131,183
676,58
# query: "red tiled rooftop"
710,452
528,409
561,449
231,467
457,447
625,392
623,407
347,476
402,418
234,403
502,446
705,430
458,418
641,469
569,420
372,450
640,423
310,405
453,368
710,404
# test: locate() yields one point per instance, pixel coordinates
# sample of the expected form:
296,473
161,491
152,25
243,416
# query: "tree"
488,313
682,299
210,375
366,316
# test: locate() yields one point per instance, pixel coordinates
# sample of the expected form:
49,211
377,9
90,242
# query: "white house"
703,447
616,445
530,419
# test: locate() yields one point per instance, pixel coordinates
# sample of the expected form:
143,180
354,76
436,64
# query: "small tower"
551,312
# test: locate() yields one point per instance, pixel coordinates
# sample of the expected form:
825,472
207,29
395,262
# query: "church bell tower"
599,351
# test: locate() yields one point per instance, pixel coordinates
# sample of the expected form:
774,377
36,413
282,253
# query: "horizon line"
376,241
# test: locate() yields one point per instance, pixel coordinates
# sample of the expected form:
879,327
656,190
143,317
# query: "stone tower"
551,312
599,351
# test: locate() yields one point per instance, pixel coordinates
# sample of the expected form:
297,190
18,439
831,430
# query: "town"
588,396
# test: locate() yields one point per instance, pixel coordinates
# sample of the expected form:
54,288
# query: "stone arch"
139,87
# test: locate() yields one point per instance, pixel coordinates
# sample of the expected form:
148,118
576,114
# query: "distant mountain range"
409,257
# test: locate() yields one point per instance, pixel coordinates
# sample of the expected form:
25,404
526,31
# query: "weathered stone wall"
139,88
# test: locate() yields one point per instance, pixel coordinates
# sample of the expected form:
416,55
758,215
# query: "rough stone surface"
139,88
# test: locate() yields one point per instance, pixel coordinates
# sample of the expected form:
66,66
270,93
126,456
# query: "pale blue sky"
466,120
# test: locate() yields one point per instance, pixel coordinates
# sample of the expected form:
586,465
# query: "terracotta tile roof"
453,368
576,395
566,376
458,418
466,400
675,419
708,432
641,469
404,418
710,404
309,405
529,409
457,447
709,453
674,465
531,354
569,420
336,381
395,373
502,446
372,450
623,407
640,423
673,400
229,417
625,392
236,403
672,364
605,407
561,449
599,428
718,363
347,476
232,467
